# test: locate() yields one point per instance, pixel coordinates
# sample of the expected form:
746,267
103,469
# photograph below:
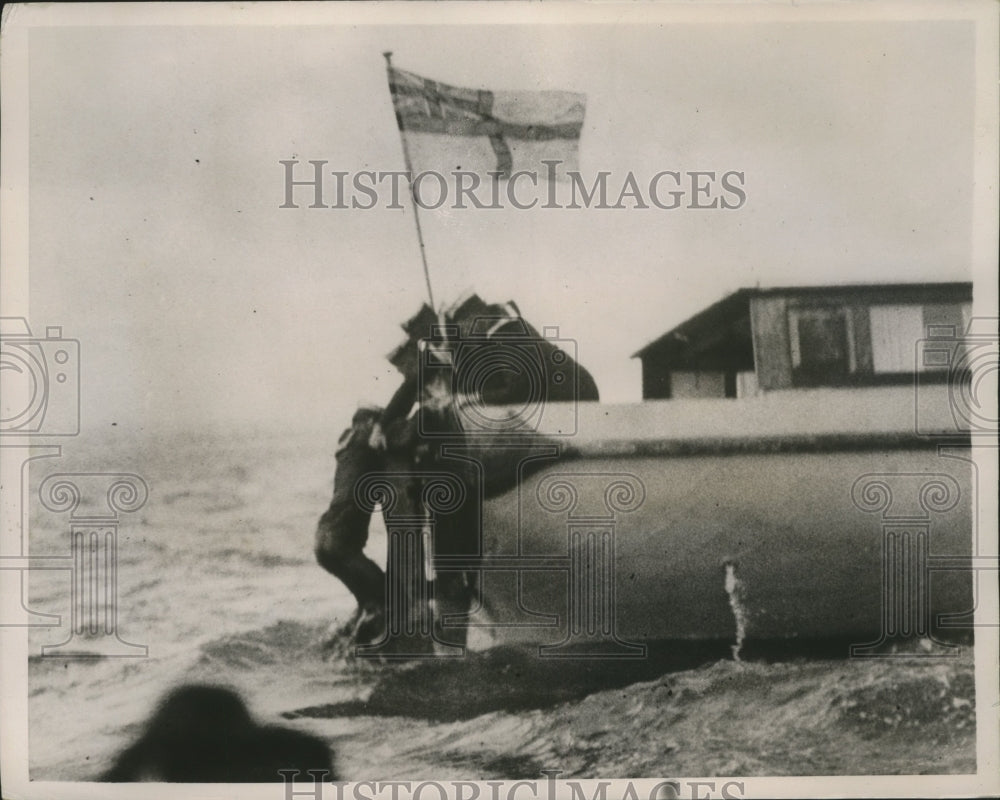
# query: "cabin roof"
722,313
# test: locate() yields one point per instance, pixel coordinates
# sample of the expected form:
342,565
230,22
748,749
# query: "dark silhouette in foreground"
204,734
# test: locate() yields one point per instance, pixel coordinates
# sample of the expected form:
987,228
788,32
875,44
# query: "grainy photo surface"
499,401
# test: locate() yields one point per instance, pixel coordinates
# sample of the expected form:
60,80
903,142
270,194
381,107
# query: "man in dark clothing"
419,439
342,532
376,438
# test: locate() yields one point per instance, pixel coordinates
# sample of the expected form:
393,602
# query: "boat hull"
859,535
773,542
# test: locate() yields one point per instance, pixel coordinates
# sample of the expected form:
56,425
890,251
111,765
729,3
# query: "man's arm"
398,408
402,401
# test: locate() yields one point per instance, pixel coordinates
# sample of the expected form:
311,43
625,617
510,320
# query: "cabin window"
895,331
747,385
688,384
862,344
822,345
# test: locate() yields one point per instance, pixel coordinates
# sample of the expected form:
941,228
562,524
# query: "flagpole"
413,191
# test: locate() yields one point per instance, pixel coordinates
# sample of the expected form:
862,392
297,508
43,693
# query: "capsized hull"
760,534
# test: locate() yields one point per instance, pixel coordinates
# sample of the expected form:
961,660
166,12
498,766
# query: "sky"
156,237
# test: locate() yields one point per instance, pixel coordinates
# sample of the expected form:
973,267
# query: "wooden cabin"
761,340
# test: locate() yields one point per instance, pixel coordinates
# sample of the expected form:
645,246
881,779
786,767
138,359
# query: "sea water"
216,578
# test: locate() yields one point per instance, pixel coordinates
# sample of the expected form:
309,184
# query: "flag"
449,128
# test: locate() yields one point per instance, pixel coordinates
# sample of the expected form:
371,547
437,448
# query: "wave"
259,559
